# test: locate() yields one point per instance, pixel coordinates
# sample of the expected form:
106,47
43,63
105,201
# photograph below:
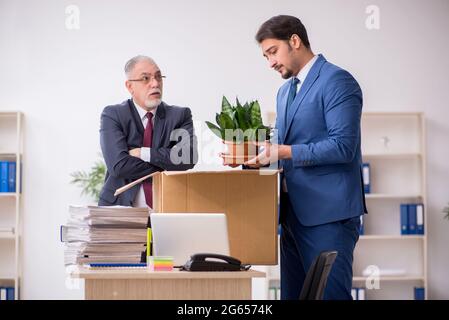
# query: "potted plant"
91,182
239,127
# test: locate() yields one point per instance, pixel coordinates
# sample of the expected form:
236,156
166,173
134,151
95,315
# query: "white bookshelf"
386,196
405,278
394,146
11,146
391,237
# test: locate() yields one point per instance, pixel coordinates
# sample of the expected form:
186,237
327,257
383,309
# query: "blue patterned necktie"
291,96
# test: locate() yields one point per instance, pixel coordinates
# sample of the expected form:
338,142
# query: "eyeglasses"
147,78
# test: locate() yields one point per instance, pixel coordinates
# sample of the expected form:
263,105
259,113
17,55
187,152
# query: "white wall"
61,79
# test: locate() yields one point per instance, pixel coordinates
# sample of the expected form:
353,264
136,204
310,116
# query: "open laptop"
182,234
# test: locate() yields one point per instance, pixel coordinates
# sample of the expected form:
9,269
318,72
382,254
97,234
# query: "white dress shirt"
145,155
302,74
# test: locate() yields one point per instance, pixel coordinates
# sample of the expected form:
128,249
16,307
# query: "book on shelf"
404,218
412,218
6,293
362,226
366,174
3,176
358,293
420,218
354,293
419,293
11,176
7,176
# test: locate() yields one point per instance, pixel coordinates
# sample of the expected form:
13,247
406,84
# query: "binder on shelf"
354,293
404,219
420,218
9,293
362,226
6,293
360,293
419,293
366,177
4,176
12,176
412,219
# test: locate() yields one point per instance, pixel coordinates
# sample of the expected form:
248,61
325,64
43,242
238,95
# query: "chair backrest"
316,279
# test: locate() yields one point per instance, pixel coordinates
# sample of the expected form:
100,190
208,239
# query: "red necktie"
147,142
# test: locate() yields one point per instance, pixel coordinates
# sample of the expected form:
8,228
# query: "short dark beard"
289,72
287,75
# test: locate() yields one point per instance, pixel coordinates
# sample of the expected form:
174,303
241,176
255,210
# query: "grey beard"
151,104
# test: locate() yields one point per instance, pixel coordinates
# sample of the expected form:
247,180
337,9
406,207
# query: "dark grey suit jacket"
122,130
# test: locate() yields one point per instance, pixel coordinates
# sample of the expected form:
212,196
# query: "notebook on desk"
115,265
182,234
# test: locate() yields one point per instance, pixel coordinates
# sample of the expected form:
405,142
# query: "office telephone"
213,262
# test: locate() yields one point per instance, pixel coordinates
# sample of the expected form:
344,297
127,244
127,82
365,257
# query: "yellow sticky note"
149,234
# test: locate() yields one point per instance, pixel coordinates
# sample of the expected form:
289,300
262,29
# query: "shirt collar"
142,112
305,70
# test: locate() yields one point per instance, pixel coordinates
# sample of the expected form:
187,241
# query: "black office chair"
316,278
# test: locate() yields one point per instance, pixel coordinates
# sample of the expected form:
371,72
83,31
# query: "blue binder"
419,293
412,219
3,176
9,293
362,226
117,265
420,218
361,294
404,219
12,177
366,177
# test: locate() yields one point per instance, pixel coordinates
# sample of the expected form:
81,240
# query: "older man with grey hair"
143,135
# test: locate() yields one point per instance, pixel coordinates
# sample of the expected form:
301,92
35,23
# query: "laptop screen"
182,234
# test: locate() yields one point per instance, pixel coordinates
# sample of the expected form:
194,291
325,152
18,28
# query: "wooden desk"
140,284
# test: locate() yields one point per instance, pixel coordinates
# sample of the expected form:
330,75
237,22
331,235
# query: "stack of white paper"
105,234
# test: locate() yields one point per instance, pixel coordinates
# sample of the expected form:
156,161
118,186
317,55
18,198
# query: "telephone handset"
213,262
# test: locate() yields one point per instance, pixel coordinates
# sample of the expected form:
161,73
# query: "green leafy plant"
240,122
446,211
91,182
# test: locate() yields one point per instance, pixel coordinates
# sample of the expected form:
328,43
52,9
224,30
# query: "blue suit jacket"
122,129
324,177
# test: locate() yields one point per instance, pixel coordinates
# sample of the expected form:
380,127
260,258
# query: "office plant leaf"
90,182
242,119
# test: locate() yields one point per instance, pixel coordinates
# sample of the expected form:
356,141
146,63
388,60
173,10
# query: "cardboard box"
249,199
